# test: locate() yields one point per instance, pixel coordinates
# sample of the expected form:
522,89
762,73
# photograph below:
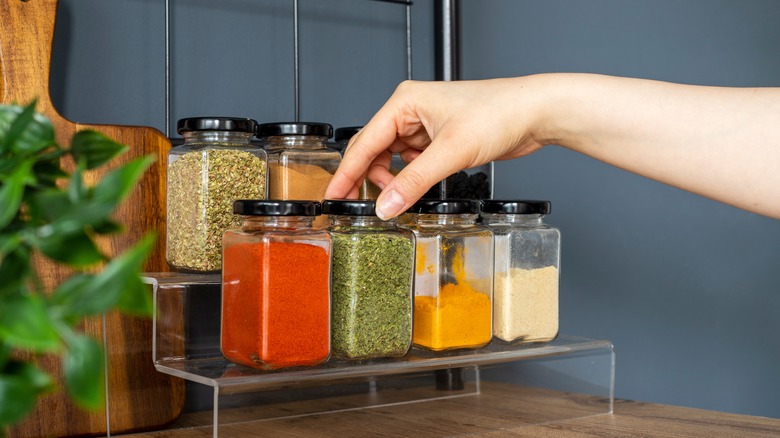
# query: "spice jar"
300,165
474,183
216,165
342,136
527,251
371,282
368,190
453,275
275,286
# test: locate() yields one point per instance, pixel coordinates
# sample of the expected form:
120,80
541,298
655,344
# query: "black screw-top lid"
516,207
346,133
215,124
256,207
294,128
349,207
448,206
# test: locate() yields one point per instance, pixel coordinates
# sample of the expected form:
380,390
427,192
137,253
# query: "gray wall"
233,58
688,289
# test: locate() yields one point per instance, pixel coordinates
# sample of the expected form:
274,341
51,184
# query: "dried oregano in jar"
216,165
371,282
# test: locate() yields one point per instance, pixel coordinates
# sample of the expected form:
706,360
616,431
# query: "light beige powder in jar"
526,305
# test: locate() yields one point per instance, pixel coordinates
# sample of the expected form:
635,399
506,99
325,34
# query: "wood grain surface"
139,398
500,410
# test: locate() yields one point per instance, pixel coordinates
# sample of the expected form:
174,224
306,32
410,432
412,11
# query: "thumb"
431,166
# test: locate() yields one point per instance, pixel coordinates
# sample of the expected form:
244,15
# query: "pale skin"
719,142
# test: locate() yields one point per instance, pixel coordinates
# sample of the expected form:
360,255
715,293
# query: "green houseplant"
48,211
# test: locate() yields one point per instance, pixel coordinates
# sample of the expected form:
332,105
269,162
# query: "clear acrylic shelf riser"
574,374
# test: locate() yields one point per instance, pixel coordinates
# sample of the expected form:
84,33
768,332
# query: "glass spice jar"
300,165
275,286
474,183
371,282
527,261
342,136
453,275
216,165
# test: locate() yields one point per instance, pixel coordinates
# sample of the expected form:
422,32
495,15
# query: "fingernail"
389,205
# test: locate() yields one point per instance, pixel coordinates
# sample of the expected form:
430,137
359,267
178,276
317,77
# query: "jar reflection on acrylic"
275,286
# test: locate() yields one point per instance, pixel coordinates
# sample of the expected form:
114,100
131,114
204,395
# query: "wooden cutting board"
139,398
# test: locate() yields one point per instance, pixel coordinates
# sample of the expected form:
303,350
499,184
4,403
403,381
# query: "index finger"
378,135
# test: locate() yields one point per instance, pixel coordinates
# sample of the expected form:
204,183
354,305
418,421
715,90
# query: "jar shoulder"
209,149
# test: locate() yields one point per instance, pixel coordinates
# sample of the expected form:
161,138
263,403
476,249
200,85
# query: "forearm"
722,143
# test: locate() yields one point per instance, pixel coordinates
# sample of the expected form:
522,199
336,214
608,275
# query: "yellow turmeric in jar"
460,317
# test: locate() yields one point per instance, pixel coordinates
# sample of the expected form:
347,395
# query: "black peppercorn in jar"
371,282
216,165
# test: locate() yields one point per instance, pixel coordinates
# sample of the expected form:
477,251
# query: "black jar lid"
515,207
447,206
346,133
294,128
349,207
258,207
215,124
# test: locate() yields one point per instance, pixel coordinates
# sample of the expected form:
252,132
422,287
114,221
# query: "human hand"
439,128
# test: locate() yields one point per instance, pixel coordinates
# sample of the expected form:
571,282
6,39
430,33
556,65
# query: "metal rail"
296,55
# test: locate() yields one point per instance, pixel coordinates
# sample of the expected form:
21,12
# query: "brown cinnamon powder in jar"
299,182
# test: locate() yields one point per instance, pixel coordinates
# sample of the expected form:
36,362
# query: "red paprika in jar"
276,286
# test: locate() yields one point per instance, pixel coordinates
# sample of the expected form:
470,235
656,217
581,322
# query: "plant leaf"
83,370
48,170
48,205
18,125
25,130
94,148
136,298
5,354
15,270
74,249
107,227
36,378
118,283
76,188
16,399
118,183
75,298
12,191
25,323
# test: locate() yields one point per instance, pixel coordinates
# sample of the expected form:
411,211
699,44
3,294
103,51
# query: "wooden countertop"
499,410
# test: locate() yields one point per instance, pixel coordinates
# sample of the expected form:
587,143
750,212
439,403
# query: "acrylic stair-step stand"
577,371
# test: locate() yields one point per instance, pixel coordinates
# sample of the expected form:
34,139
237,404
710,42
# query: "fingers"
440,160
377,136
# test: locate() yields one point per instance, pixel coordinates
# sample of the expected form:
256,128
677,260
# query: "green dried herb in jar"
216,165
371,282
